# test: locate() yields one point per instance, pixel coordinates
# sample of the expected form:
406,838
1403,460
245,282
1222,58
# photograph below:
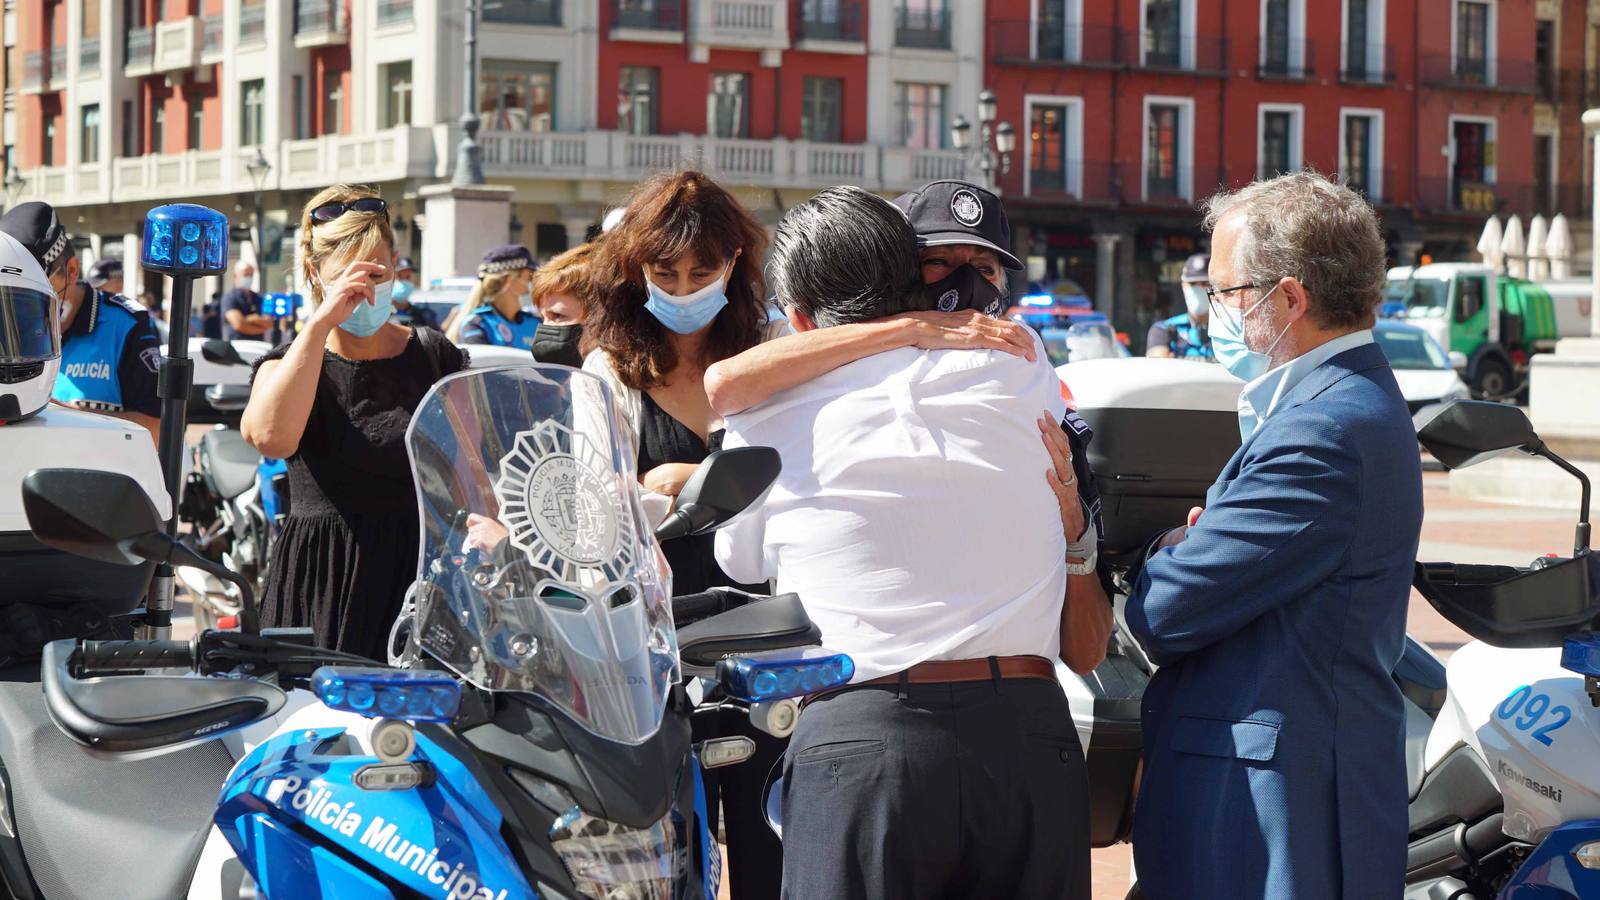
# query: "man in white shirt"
910,519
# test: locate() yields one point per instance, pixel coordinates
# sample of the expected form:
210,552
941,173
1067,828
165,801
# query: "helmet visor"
30,331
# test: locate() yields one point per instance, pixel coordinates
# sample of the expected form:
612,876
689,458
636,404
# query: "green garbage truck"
1490,323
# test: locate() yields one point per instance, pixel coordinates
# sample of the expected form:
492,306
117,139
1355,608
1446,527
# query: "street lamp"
14,184
469,158
259,168
995,144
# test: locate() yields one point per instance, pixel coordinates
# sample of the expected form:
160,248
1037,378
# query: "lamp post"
469,157
259,168
14,184
992,153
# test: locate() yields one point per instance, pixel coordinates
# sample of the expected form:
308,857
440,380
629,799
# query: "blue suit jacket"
1273,732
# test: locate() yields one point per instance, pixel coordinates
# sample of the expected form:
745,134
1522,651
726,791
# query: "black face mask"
558,344
966,288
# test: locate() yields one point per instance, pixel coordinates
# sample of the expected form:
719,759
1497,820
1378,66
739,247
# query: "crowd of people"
935,513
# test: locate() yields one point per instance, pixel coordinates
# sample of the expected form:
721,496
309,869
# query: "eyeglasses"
327,212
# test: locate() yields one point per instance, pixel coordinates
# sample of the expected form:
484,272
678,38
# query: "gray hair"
1320,232
846,255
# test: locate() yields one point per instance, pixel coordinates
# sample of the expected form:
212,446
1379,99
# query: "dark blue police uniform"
110,357
485,325
1185,339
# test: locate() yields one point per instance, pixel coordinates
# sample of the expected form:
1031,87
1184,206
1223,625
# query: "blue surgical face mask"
1227,343
402,291
691,312
369,317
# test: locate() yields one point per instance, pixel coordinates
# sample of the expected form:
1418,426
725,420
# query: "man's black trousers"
929,791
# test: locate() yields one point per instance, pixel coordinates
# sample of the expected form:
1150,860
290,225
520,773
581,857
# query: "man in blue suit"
1273,731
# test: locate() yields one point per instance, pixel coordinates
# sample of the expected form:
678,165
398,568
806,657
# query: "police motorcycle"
233,498
1505,764
537,744
46,593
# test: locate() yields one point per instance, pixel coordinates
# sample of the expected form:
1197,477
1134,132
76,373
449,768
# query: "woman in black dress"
336,403
678,287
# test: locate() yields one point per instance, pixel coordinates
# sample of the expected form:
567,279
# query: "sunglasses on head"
327,212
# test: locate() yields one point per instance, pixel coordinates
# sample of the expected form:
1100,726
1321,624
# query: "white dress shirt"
912,515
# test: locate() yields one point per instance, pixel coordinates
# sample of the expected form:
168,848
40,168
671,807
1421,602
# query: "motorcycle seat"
143,821
230,463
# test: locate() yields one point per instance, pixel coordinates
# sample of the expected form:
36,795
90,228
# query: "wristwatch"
1085,548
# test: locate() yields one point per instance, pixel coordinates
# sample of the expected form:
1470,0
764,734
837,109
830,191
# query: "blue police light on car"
776,674
388,693
185,239
1581,653
1037,300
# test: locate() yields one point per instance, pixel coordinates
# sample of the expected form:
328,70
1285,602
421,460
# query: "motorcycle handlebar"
108,657
693,607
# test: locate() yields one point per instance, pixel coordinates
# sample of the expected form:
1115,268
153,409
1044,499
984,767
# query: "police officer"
110,352
1184,336
405,284
497,312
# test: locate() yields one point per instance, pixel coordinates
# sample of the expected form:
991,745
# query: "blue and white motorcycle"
536,744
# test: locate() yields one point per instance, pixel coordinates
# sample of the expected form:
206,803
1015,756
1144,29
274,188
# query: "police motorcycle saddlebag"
1163,430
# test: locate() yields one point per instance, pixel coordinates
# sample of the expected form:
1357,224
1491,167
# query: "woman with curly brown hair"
336,402
678,286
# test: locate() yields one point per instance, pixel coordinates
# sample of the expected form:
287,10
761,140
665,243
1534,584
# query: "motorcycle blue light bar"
185,239
776,674
388,693
1581,653
1038,300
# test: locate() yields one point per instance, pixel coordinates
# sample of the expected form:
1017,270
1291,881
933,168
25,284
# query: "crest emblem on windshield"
966,208
562,505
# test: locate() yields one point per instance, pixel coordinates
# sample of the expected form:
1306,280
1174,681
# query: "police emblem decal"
966,208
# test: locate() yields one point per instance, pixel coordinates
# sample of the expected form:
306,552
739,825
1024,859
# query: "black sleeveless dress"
663,439
348,548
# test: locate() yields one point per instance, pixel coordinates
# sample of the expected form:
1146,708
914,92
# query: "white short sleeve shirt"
912,515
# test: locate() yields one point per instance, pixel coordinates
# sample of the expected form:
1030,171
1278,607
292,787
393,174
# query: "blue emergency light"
776,674
185,239
280,306
1581,653
1038,300
388,693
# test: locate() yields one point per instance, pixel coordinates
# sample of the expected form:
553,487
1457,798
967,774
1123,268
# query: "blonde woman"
497,313
561,293
336,403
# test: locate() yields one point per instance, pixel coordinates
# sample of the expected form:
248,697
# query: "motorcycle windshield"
538,572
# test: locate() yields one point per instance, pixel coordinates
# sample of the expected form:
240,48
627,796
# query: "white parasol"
1515,249
1489,243
1558,247
1538,263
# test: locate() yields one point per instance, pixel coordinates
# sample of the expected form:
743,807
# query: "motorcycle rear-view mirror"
221,352
726,484
108,517
1464,433
94,514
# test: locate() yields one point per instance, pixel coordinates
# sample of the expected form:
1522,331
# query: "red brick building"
1130,111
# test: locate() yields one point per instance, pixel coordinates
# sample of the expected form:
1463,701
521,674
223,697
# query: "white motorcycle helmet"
30,333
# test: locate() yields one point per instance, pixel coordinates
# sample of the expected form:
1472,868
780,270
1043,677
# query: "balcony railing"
1377,186
141,47
927,28
839,21
396,12
1479,73
211,35
1564,86
1452,196
1051,43
740,24
647,15
1368,64
1168,51
319,18
35,71
89,55
519,12
252,24
1288,60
